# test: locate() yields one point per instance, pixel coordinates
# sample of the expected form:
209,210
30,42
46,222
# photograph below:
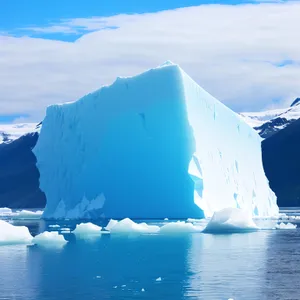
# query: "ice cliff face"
152,146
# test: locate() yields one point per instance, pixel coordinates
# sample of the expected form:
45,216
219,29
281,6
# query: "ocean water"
248,266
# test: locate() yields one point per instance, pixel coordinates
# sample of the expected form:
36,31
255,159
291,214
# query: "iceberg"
150,146
48,238
230,220
10,234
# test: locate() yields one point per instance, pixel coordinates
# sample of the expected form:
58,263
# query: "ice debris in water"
230,220
5,211
10,234
27,214
158,279
179,227
286,226
54,226
48,238
129,226
166,219
87,229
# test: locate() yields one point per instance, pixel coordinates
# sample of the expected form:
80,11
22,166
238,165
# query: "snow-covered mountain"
11,132
267,123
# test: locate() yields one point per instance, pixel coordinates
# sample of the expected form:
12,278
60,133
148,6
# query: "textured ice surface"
150,146
87,228
230,220
48,238
10,234
286,226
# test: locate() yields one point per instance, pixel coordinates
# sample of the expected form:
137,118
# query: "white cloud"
231,51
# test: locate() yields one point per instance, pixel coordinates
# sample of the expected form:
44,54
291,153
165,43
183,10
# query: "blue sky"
16,15
245,53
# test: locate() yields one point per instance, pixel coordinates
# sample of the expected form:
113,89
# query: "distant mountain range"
280,129
267,123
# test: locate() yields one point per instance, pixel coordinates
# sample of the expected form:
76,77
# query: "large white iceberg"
150,146
10,234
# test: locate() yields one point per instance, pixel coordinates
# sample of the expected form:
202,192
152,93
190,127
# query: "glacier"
150,146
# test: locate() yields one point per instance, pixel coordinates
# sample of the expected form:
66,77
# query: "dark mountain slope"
281,159
19,176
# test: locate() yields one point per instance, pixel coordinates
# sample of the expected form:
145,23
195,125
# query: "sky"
245,53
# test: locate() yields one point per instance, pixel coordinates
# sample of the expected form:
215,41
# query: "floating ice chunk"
5,211
10,234
129,226
48,238
54,226
87,229
111,224
27,214
166,219
179,227
190,220
65,229
158,279
286,226
229,220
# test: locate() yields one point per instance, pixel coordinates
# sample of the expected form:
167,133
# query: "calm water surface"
258,265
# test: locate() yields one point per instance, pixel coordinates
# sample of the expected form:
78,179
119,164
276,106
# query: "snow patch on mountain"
11,132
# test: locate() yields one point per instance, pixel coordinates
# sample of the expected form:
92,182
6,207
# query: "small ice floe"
54,226
166,219
129,226
48,238
179,227
84,229
286,226
98,277
12,235
27,214
65,229
190,220
230,220
5,211
158,279
142,290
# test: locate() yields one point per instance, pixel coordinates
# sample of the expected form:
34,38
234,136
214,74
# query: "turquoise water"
257,265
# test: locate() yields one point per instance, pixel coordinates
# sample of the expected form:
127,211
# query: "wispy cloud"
234,52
